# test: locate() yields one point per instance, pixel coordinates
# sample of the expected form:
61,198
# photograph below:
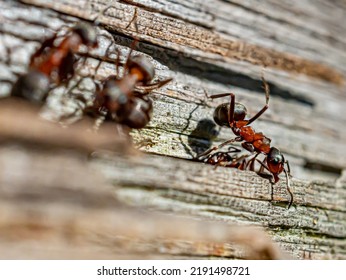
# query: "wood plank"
54,205
208,48
175,34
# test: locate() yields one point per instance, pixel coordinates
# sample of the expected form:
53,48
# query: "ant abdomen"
141,113
32,86
221,113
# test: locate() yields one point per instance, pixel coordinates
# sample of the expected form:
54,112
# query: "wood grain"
208,47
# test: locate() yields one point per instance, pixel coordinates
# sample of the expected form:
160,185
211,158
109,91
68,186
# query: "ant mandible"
53,64
233,115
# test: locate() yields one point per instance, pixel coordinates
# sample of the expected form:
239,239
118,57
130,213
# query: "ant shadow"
201,138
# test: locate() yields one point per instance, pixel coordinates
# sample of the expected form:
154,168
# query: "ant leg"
132,20
242,161
288,188
85,57
242,166
261,172
218,147
232,149
287,183
266,106
48,43
99,65
248,146
232,105
251,163
117,63
135,41
288,168
132,47
148,88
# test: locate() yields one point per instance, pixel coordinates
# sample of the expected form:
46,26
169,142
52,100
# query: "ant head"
275,161
240,112
141,66
87,33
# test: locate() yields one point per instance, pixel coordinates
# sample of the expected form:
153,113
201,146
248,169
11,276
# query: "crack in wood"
176,33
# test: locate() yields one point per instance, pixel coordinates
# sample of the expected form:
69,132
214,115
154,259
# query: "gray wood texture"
210,47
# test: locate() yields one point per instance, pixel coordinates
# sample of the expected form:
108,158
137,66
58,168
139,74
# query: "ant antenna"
133,20
265,86
288,189
135,41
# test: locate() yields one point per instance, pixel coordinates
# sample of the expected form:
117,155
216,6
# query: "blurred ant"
120,100
233,115
53,63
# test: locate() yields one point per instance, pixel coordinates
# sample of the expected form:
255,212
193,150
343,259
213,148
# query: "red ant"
233,115
53,64
229,159
120,101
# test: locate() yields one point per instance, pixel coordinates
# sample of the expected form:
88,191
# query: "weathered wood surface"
50,194
15,128
211,47
304,120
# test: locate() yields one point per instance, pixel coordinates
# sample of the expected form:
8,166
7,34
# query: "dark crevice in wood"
22,37
228,48
323,167
307,231
178,62
308,205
